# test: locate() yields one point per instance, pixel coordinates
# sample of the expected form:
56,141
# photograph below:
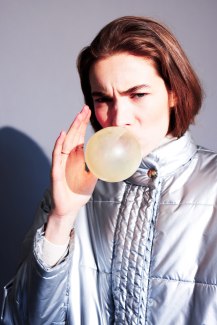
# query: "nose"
121,115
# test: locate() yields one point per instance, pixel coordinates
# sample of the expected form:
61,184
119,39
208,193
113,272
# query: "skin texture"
71,184
127,91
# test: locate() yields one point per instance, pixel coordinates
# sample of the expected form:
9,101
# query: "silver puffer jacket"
144,251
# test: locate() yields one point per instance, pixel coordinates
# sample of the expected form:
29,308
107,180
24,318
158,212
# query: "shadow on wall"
24,175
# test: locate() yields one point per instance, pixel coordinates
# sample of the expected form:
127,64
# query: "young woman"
141,251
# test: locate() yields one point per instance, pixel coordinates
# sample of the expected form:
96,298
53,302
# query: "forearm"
58,230
52,254
39,294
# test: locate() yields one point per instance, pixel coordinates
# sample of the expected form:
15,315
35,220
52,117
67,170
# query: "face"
127,91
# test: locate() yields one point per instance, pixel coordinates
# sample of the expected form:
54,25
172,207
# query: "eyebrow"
125,92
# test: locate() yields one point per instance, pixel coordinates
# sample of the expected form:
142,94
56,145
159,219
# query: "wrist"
58,230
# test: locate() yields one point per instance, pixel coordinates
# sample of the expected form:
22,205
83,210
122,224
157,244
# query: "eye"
102,99
139,95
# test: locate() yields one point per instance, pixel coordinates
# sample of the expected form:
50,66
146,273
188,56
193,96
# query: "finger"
83,129
76,132
59,143
78,137
57,151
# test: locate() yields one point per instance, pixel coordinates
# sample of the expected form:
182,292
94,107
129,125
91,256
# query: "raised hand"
72,184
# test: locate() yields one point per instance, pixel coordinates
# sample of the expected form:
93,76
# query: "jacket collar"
164,160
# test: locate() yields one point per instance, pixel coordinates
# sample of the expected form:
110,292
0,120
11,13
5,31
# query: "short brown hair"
150,39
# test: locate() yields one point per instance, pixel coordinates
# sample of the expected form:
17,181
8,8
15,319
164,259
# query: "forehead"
122,70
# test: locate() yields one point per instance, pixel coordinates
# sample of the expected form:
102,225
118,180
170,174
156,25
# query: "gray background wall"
40,92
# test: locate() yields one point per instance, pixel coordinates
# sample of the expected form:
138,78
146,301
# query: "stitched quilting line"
130,278
117,254
150,216
118,248
126,253
127,302
156,204
117,228
184,281
142,249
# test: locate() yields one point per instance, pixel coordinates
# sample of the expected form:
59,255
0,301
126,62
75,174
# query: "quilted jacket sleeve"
37,294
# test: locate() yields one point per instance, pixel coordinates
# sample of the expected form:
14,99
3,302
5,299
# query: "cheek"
101,117
161,122
156,118
163,112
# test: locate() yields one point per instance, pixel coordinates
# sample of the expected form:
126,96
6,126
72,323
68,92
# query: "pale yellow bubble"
113,154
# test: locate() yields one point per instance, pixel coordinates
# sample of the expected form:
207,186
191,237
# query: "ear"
172,99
